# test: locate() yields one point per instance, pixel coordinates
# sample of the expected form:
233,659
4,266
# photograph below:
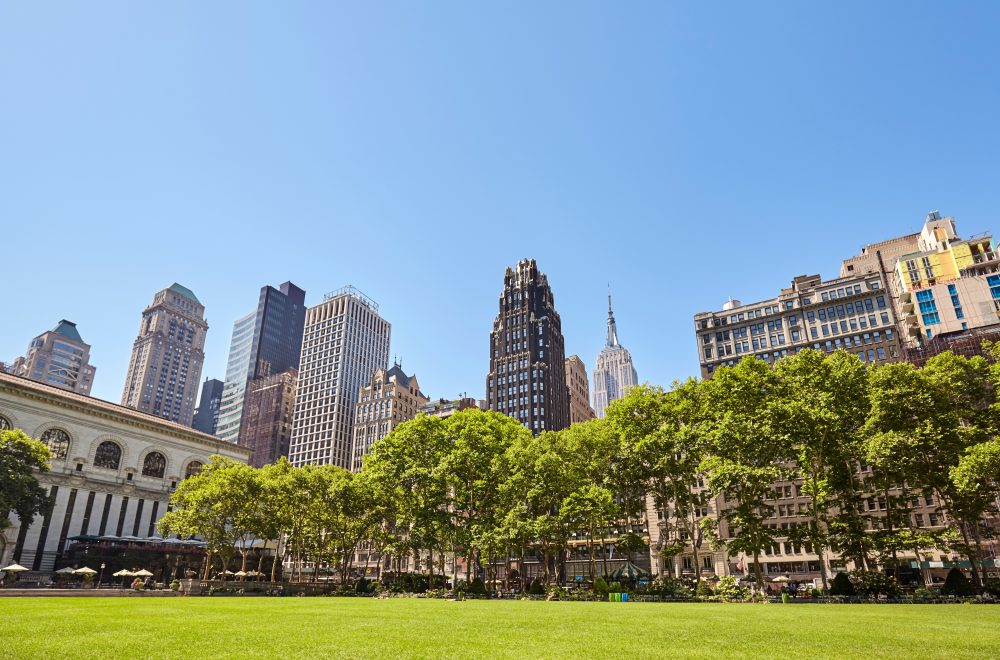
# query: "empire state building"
614,374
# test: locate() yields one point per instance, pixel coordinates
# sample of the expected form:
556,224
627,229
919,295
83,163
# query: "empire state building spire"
612,329
614,374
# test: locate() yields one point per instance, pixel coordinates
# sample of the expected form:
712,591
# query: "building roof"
122,412
184,291
400,375
68,330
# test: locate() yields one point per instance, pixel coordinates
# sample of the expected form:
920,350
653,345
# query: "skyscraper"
344,342
614,374
527,378
165,368
266,341
206,415
58,357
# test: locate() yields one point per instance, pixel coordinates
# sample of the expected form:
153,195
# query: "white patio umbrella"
69,570
124,573
142,573
780,578
14,568
240,574
86,570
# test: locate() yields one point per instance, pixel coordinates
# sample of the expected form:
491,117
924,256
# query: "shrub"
729,589
993,586
536,588
667,587
175,585
956,584
841,585
923,593
556,592
601,586
703,590
874,583
615,587
476,588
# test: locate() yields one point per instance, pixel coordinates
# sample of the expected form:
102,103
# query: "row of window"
108,454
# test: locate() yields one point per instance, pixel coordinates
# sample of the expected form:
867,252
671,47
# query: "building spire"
612,330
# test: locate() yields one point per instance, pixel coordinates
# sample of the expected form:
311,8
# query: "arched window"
5,424
154,465
109,455
57,441
193,468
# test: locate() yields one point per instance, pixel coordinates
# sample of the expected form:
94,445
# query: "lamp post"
101,576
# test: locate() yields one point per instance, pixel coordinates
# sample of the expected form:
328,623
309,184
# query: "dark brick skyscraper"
527,379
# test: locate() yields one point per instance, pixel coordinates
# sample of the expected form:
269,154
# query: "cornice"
26,389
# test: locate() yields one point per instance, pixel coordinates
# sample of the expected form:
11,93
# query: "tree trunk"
208,565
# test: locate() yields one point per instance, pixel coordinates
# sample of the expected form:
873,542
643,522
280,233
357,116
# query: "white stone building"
113,468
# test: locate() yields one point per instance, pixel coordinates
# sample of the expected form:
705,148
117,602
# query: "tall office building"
267,417
165,368
614,374
58,357
265,342
345,341
206,415
527,378
390,399
579,391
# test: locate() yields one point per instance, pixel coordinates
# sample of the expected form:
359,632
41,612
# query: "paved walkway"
122,593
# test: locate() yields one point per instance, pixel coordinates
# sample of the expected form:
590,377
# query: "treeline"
479,487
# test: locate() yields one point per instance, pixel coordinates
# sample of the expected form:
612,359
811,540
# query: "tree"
542,475
474,468
589,508
662,437
403,472
823,401
20,492
743,427
221,504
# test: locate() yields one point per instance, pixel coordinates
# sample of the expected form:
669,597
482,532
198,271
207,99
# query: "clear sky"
683,152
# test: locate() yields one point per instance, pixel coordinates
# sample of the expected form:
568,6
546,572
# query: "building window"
154,465
57,441
193,468
5,424
108,455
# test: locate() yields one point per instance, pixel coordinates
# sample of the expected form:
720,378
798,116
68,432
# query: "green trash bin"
618,597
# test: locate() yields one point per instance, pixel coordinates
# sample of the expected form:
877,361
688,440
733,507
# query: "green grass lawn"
50,628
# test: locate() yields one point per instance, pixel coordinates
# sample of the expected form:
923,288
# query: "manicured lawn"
361,628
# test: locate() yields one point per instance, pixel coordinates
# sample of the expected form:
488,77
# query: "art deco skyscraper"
527,379
614,374
165,368
345,341
265,342
58,357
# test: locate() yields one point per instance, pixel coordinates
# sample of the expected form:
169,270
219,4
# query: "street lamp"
101,576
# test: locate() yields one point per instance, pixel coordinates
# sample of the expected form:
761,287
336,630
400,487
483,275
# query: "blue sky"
684,152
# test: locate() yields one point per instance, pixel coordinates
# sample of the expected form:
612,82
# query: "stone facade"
267,417
165,369
579,390
113,468
390,399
